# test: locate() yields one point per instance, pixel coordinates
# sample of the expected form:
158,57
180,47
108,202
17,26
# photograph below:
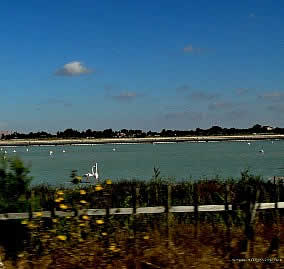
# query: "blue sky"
141,64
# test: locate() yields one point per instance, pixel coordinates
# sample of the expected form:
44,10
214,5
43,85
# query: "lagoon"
178,161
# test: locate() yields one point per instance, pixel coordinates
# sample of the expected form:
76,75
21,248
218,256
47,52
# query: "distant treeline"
109,133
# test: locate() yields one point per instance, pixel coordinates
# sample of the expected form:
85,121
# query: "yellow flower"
24,222
62,237
38,214
54,220
83,202
82,192
99,221
59,199
21,255
98,188
146,237
104,234
31,225
82,224
60,193
112,247
108,182
62,206
85,217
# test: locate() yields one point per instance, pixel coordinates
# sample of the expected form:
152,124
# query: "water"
136,161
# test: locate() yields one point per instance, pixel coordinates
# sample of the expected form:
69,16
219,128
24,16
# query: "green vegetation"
14,185
124,133
168,240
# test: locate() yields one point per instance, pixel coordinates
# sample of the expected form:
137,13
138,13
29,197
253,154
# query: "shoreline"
39,142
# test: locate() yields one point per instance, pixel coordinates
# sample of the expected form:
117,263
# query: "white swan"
63,151
50,152
94,174
14,151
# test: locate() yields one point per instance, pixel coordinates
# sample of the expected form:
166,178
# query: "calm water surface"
136,161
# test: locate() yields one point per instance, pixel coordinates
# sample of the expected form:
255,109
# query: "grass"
182,240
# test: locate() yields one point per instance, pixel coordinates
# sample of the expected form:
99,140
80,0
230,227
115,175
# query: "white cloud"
190,49
125,96
73,69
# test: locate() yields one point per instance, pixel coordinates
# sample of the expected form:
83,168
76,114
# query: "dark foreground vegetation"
124,133
167,240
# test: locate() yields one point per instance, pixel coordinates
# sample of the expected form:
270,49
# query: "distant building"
268,128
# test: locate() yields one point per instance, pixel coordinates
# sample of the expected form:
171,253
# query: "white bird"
14,150
5,152
27,149
1,149
113,149
50,152
94,174
261,151
249,143
63,150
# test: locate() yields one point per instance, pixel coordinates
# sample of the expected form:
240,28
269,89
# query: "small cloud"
220,106
183,88
251,15
190,49
73,69
203,96
125,96
242,91
273,96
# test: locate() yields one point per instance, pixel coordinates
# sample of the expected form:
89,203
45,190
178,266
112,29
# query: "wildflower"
112,247
108,182
146,237
104,234
21,255
59,199
85,217
31,225
83,202
98,188
38,214
82,192
54,220
62,206
82,224
62,237
60,193
24,222
99,221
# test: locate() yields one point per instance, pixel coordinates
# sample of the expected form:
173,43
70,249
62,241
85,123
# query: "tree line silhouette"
125,133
